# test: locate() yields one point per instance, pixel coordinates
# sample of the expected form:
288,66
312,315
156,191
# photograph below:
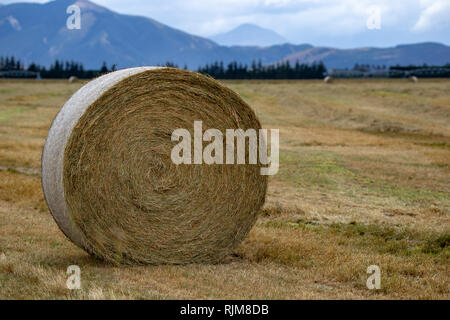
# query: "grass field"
364,180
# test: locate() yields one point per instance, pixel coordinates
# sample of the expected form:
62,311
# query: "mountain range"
38,32
248,34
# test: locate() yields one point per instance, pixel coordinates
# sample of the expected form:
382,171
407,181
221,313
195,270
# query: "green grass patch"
327,172
243,92
322,170
437,244
404,193
383,93
7,114
386,239
439,145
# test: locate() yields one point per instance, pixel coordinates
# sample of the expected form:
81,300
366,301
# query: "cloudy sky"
340,23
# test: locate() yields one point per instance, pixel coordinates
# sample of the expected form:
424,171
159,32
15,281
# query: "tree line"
423,71
234,70
414,67
368,67
256,70
280,70
58,70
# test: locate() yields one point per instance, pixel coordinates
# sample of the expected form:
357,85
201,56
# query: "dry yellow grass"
364,179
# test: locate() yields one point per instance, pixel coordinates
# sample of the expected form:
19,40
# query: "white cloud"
435,13
334,22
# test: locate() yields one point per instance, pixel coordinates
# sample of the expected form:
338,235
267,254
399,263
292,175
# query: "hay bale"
73,79
328,79
414,79
112,188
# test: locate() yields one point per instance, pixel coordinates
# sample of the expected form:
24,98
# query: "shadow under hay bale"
110,183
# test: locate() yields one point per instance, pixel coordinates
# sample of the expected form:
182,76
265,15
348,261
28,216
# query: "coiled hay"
112,187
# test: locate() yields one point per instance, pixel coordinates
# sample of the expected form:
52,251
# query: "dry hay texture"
112,187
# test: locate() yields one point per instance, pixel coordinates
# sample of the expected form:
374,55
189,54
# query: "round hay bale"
414,79
328,79
112,187
73,79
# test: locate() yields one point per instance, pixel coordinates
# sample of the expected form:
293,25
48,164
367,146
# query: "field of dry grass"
364,180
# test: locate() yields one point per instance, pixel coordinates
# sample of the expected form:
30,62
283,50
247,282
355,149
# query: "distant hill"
38,32
249,35
412,54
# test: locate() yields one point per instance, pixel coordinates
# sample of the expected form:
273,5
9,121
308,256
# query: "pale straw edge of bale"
55,145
